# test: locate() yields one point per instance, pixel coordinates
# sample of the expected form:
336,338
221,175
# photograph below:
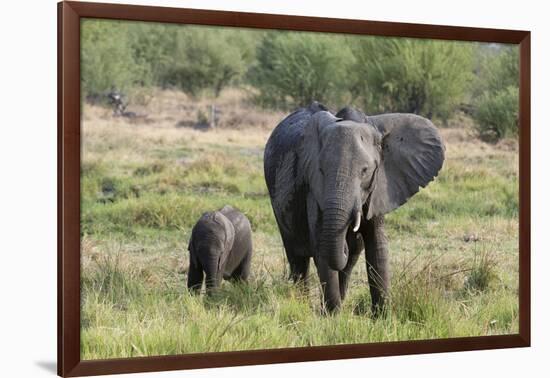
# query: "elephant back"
239,220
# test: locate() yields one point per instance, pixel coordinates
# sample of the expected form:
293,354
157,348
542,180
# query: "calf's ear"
229,237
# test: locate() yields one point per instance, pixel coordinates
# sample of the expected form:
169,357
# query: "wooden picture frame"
69,16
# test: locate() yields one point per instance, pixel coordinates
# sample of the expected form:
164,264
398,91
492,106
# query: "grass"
454,254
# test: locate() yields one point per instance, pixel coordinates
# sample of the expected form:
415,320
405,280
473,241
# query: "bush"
497,114
130,55
425,77
498,68
108,61
294,69
290,69
204,59
497,102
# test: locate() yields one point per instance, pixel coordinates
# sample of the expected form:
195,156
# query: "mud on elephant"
332,178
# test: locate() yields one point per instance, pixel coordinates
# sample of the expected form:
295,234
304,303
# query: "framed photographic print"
239,188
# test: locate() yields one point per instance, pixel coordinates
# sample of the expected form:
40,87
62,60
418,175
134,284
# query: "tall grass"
128,313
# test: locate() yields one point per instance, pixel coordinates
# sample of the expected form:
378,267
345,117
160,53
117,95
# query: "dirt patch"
457,135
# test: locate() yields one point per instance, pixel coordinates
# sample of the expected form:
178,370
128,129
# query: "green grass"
147,311
453,250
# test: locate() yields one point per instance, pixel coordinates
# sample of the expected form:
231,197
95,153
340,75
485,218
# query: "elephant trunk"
334,228
213,275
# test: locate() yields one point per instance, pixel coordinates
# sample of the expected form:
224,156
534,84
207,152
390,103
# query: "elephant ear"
412,154
311,148
229,237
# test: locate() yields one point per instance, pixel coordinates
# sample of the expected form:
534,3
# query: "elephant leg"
242,271
376,251
194,277
354,243
299,269
296,254
329,285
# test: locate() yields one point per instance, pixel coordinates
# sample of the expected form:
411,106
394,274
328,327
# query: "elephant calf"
220,246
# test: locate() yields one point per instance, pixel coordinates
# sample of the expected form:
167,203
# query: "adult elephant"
332,178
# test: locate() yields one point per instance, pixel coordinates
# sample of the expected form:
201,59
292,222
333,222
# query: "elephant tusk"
357,221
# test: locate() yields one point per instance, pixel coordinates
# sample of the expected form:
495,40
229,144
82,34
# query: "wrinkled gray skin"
220,246
332,179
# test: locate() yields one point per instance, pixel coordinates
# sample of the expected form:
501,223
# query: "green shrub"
204,59
108,61
294,69
425,77
497,114
130,55
498,68
497,102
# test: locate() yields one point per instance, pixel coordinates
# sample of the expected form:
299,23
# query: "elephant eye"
364,171
322,172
